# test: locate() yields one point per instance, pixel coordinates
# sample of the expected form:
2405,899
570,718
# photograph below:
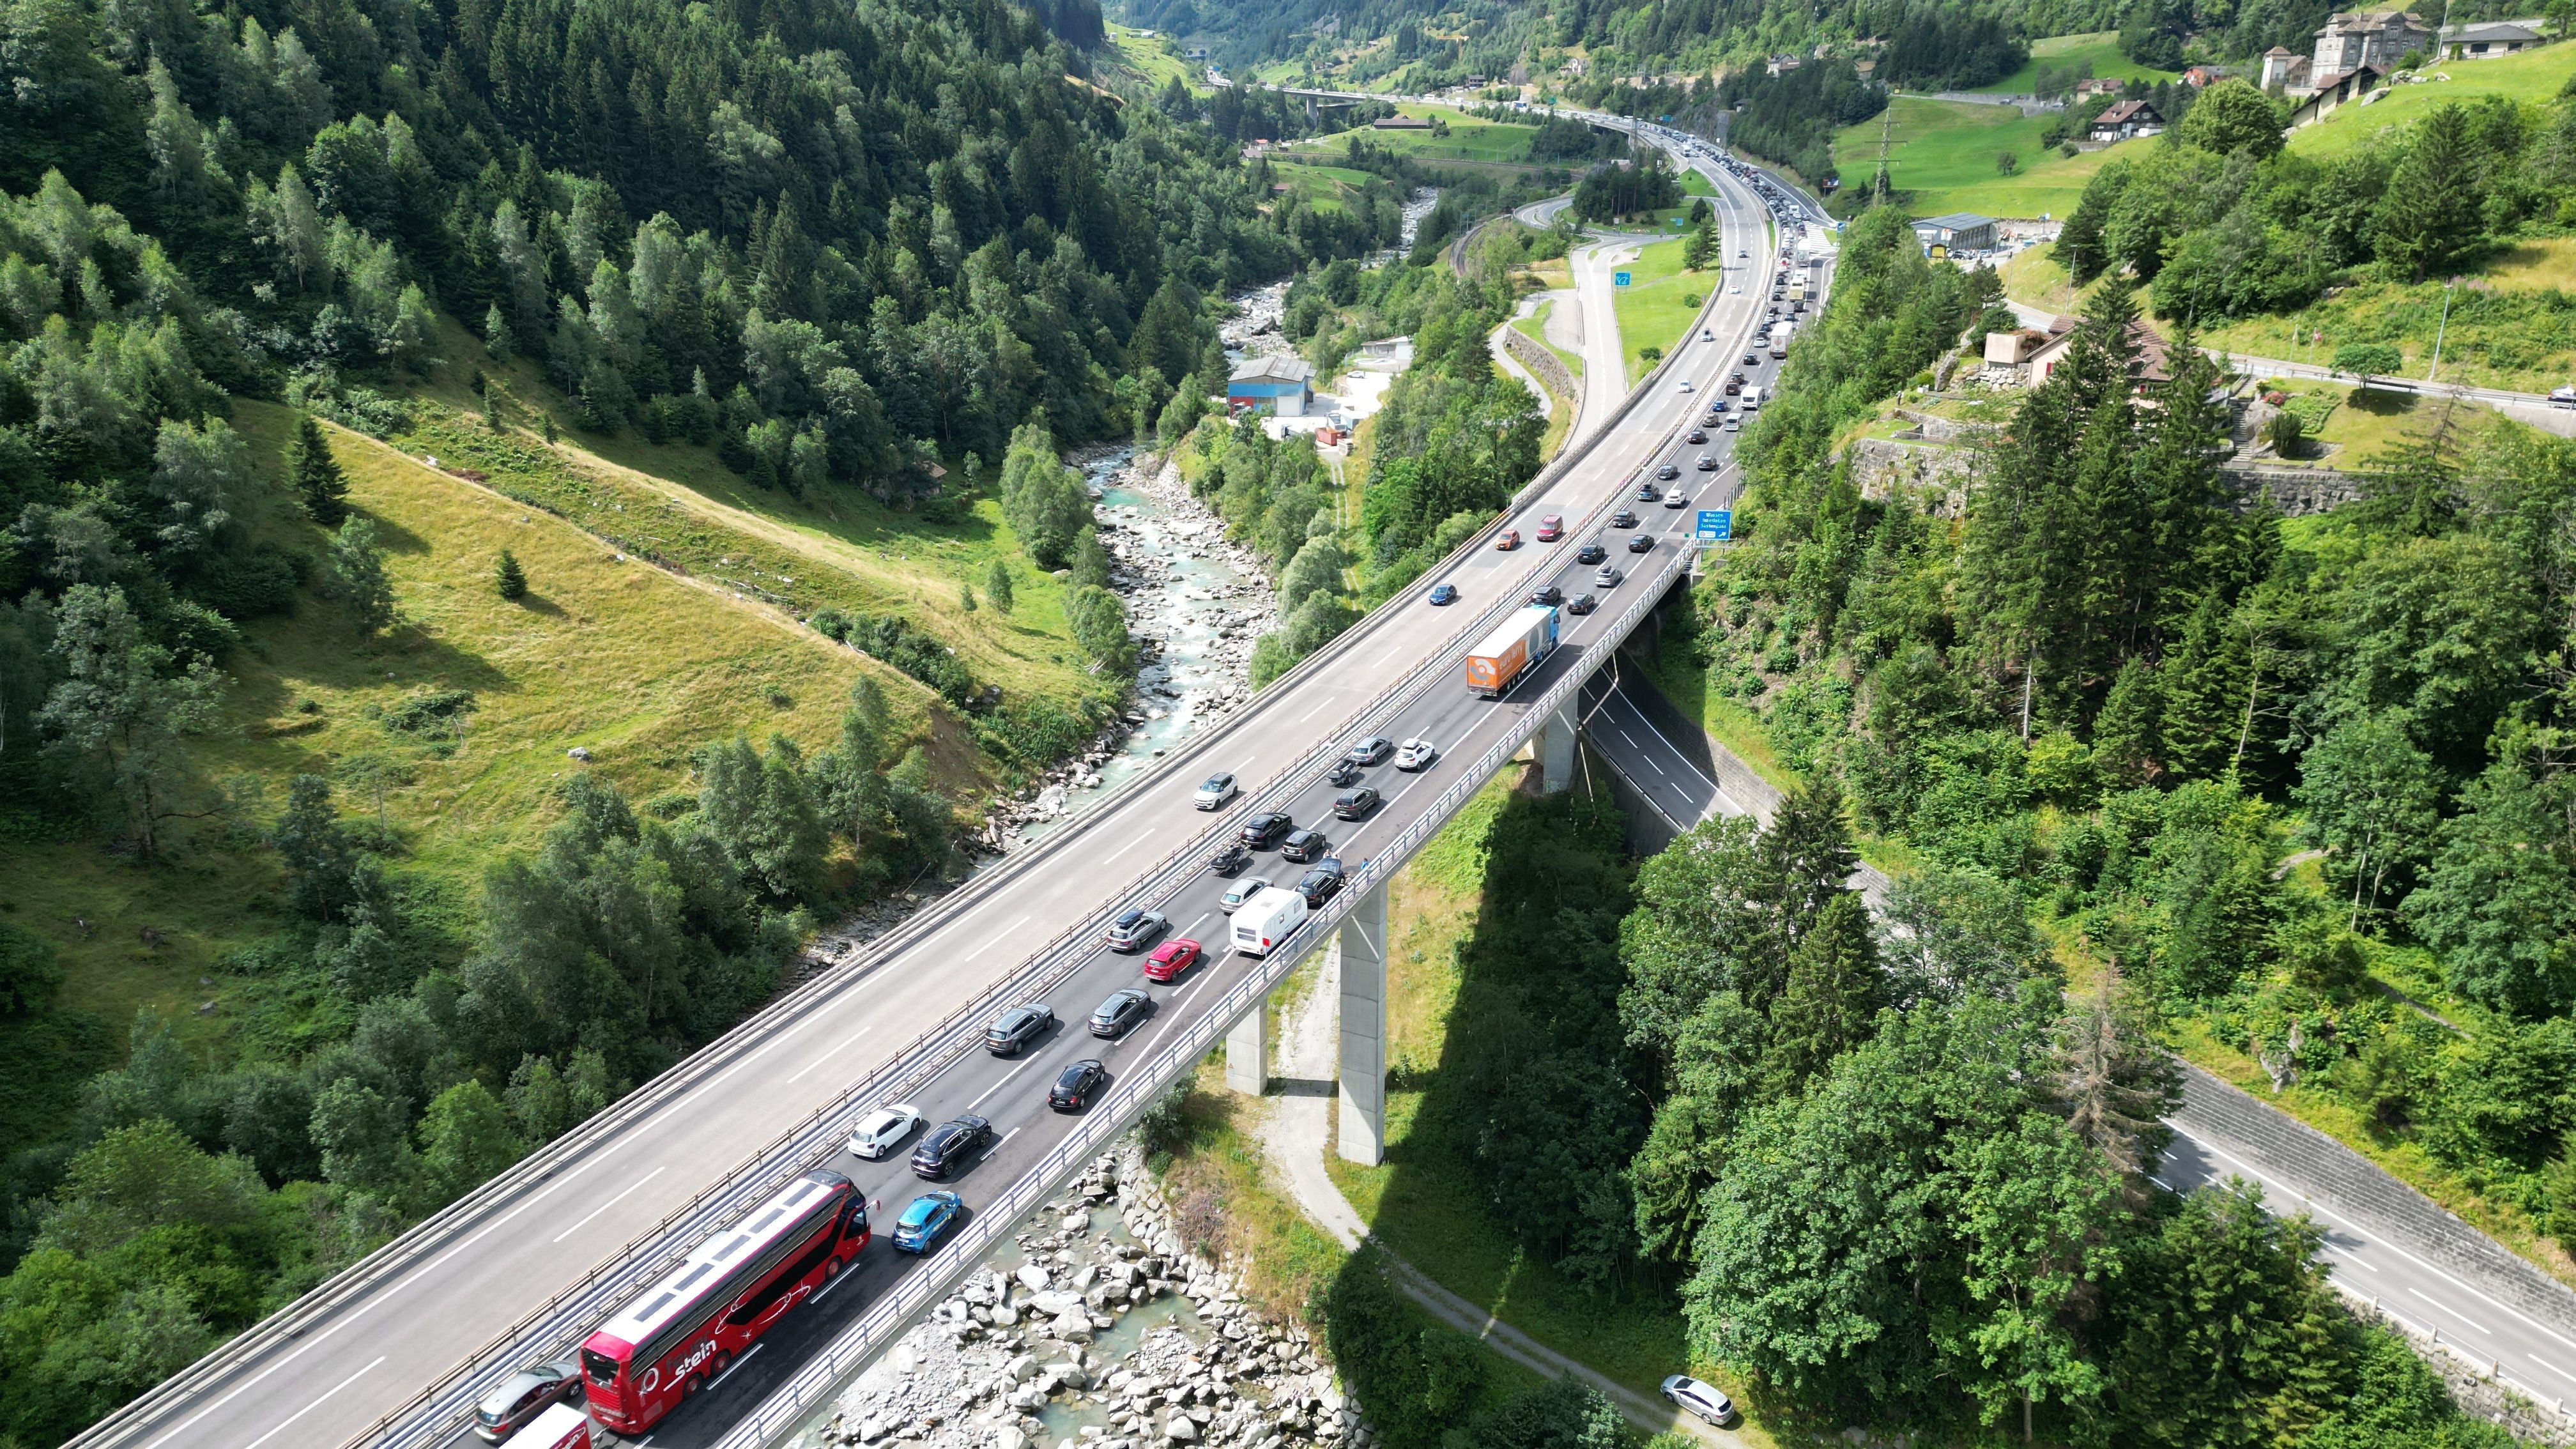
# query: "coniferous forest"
847,248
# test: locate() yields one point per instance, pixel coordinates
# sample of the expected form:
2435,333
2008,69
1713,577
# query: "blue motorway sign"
1618,279
1716,525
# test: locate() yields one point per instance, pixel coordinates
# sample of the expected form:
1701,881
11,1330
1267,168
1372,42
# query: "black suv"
1624,518
948,1145
1322,883
1303,845
1263,831
1355,804
1591,552
1016,1028
1547,594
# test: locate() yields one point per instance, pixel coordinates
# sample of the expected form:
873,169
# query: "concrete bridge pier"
1247,1051
1556,745
1359,949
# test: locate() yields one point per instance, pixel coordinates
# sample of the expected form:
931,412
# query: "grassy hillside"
2099,49
1157,61
836,546
1944,154
1469,139
1326,188
2533,76
1656,307
637,664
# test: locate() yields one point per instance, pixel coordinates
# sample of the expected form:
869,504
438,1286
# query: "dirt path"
1298,1134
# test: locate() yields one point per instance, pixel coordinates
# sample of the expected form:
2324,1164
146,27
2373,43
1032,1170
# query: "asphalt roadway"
436,1304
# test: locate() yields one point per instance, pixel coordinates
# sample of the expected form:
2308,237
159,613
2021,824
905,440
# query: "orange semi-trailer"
1522,640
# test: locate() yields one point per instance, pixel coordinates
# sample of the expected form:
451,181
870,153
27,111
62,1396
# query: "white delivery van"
1268,919
561,1426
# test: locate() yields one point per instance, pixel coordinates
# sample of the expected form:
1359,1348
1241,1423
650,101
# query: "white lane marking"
737,1366
997,1086
838,1047
1632,741
1191,929
2350,1258
612,1202
313,1404
1651,765
1132,842
1177,998
2544,1363
2447,1308
1318,709
360,1310
2258,1173
1684,759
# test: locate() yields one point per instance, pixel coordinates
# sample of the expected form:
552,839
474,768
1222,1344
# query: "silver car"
523,1396
1241,891
1704,1400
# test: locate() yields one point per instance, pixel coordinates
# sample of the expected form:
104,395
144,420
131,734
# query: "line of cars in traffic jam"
688,1328
1740,397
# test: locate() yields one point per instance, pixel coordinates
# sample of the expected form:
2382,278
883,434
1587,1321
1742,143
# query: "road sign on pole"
1716,525
1618,279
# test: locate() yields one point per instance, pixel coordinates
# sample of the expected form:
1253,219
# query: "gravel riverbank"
1100,1329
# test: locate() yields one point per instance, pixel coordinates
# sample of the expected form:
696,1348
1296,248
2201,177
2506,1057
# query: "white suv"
1416,755
1214,792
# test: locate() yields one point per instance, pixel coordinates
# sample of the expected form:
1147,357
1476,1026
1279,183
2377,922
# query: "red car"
1551,528
1171,958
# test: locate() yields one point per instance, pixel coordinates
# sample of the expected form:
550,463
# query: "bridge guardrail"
783,1157
449,1396
791,1401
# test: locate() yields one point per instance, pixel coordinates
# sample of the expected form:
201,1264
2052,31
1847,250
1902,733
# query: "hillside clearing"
635,664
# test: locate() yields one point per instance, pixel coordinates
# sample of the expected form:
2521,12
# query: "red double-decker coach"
687,1328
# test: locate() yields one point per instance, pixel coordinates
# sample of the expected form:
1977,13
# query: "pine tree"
509,579
997,585
966,596
2204,693
496,333
2126,748
1804,859
1833,992
316,474
358,578
2430,211
546,425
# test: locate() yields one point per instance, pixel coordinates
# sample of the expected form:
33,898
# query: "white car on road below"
884,1130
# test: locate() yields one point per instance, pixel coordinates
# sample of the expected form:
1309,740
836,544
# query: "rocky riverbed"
1195,604
1101,1330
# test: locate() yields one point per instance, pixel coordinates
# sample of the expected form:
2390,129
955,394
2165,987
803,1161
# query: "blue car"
1444,594
926,1220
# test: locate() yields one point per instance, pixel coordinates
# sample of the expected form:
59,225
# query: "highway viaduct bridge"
395,1351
